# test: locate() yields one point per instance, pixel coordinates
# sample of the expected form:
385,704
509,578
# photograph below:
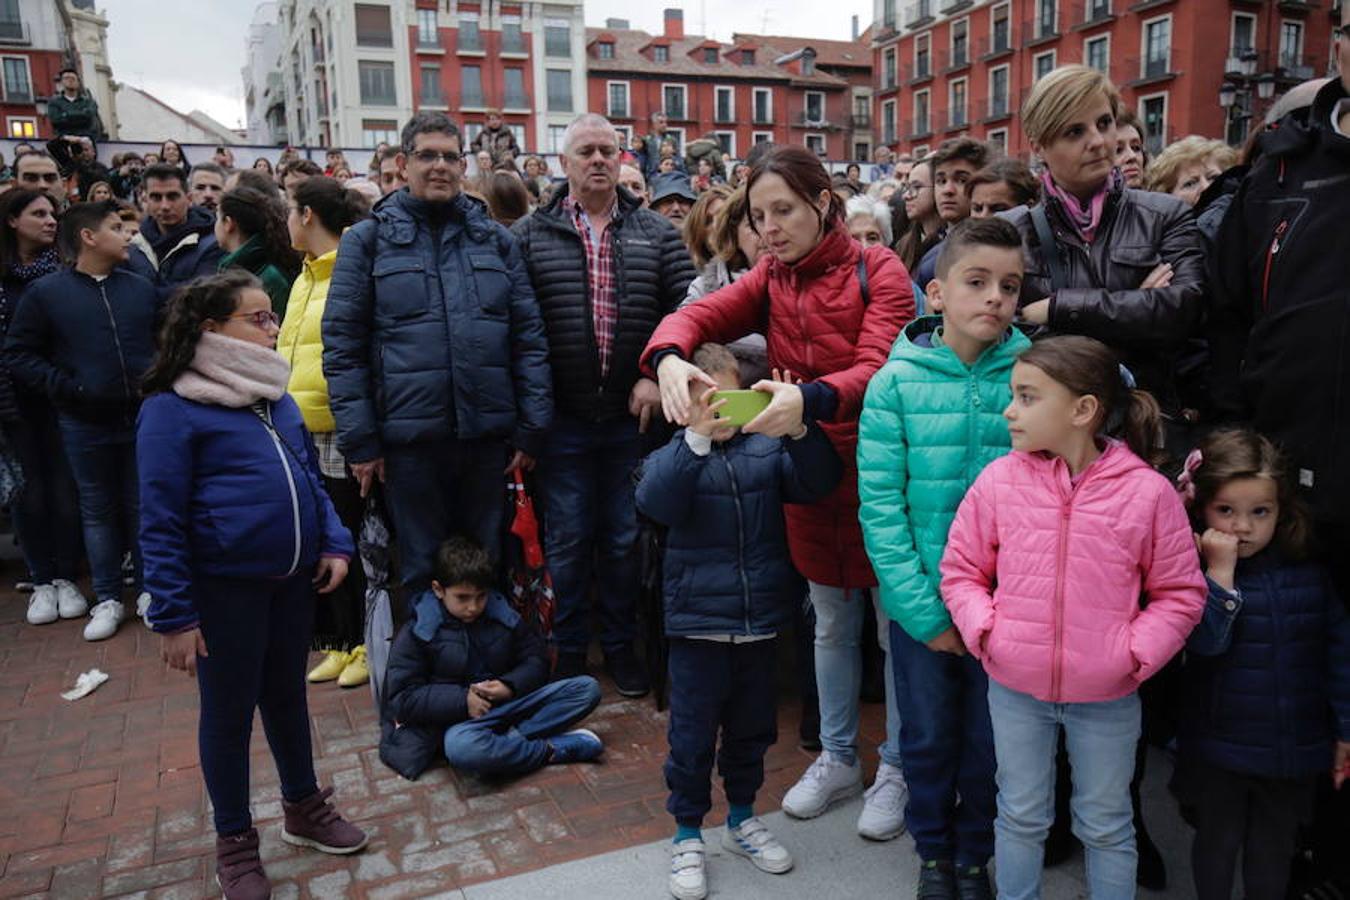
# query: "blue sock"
687,833
738,814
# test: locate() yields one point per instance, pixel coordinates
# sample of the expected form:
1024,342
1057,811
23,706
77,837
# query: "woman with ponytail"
251,229
319,210
237,535
1072,575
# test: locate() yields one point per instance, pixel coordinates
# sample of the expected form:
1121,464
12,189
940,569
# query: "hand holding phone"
739,407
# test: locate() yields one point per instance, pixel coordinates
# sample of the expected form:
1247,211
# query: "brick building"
755,88
37,40
950,67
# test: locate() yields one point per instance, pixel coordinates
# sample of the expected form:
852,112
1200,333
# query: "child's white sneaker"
103,620
828,780
71,603
688,870
753,840
883,812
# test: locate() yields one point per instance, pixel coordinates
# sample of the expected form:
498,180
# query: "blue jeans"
103,461
590,528
948,749
1101,739
510,739
47,513
838,653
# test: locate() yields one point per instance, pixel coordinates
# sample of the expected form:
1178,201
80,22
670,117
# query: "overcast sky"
189,53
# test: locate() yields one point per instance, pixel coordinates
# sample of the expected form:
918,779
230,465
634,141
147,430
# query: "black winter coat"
14,282
1279,329
432,662
1147,327
652,271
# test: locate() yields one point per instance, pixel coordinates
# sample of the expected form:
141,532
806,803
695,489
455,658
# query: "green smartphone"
741,406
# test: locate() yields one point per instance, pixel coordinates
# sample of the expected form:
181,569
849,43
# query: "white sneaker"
43,605
827,781
756,843
103,620
69,600
883,812
688,873
143,607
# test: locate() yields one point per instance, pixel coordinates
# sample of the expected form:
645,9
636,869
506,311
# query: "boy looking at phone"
729,587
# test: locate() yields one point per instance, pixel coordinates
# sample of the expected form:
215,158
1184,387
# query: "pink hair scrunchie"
1186,480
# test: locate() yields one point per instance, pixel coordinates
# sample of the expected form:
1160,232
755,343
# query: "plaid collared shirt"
600,267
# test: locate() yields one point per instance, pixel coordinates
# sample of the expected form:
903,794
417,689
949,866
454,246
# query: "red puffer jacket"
820,329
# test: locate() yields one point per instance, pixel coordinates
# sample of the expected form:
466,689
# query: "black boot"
972,883
937,881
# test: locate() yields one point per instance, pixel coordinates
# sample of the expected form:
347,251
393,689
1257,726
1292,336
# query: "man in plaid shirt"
605,271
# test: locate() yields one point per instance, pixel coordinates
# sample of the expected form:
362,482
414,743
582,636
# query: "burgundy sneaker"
239,871
313,822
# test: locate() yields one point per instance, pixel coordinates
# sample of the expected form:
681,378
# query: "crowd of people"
1053,453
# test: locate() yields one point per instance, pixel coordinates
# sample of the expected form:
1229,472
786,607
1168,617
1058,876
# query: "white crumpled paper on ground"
85,684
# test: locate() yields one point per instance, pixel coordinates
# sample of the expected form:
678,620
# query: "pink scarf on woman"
1085,218
234,373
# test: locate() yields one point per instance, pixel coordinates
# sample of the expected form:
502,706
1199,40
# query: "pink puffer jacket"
1072,593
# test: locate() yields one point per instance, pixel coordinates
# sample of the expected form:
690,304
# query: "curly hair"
210,298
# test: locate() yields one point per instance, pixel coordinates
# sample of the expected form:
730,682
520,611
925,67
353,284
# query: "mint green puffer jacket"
929,424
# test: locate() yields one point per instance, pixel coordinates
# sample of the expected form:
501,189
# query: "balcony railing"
956,59
955,6
374,39
1091,12
919,14
1000,42
513,42
518,101
861,121
916,72
957,118
470,42
812,120
1297,6
995,109
918,128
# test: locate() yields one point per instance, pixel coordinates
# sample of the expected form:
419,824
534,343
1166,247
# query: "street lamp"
1249,58
1265,86
1228,94
41,104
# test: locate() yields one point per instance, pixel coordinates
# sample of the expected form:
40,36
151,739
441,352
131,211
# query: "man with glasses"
435,355
606,271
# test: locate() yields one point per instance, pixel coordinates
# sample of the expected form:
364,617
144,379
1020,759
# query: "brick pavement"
103,797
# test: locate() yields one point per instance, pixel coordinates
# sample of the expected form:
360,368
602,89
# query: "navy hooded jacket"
186,252
432,662
1267,674
221,496
727,569
431,334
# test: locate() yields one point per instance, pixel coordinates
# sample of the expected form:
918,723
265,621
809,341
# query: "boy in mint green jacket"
932,419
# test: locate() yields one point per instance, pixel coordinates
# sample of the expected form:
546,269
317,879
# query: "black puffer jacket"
1280,295
1148,327
652,271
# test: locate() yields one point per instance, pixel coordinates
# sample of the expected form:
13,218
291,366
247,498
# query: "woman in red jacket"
832,309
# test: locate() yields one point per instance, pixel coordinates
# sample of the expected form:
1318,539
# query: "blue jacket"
221,496
188,251
1267,674
727,569
426,339
84,343
432,662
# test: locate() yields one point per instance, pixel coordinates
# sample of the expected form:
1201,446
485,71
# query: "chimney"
675,24
617,25
855,28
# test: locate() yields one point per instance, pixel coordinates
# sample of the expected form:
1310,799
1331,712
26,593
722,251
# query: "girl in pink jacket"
1072,575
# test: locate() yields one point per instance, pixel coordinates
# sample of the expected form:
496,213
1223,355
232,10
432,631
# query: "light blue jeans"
839,628
1101,738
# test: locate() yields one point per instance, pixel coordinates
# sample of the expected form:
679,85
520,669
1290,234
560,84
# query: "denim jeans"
510,739
1100,738
257,635
590,528
948,748
47,513
103,461
839,628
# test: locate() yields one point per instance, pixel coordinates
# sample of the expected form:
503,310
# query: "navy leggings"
257,636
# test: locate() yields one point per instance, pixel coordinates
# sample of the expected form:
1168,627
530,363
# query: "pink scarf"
1084,218
233,373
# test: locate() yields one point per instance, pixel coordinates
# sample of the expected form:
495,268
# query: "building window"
888,68
676,135
557,38
1000,30
761,137
377,131
960,42
998,91
372,26
727,141
672,101
559,90
513,86
618,99
1157,47
661,53
377,83
555,138
622,132
471,84
815,107
999,138
470,38
1097,53
956,103
808,63
1047,18
1153,112
888,14
888,122
1244,35
513,40
428,32
921,108
922,57
710,55
1291,45
1098,9
604,50
763,98
816,144
1042,64
18,84
747,57
431,86
22,128
724,104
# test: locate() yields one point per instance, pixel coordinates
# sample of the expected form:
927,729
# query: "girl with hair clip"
237,535
1266,685
1046,563
251,229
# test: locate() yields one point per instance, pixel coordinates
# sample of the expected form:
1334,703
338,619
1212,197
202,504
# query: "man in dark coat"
73,111
177,241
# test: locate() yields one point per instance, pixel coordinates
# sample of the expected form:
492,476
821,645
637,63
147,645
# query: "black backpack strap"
862,280
1049,247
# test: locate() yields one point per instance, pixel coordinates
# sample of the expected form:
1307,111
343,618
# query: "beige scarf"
234,373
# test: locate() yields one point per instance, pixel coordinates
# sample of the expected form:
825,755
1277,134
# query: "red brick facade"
18,107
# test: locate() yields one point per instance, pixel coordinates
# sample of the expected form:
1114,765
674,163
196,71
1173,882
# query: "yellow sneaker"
334,661
357,671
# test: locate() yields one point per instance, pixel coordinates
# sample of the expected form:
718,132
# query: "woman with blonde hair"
698,225
1187,168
